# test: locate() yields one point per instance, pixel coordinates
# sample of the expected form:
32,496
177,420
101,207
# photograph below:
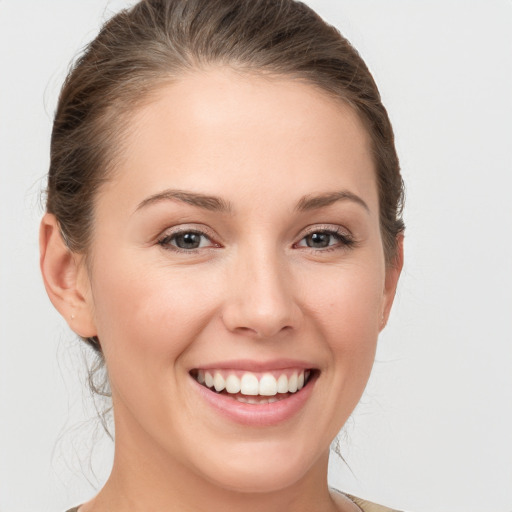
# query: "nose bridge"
261,299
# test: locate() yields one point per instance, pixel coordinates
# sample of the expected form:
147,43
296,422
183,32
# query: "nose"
261,301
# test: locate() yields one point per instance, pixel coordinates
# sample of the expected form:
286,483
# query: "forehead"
219,131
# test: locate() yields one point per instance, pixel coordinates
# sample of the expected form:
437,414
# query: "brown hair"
155,42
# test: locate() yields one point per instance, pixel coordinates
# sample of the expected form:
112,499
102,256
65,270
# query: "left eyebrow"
311,202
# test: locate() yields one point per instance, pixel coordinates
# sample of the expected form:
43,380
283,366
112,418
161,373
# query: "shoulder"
368,506
363,505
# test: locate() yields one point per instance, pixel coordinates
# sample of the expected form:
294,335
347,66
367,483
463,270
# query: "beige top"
365,506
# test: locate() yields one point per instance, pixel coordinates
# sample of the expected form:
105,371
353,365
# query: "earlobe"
393,272
63,278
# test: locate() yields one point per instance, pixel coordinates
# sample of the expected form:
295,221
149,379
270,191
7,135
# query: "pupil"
188,241
318,240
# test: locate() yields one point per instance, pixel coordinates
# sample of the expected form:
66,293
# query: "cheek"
146,320
148,315
343,306
348,299
346,305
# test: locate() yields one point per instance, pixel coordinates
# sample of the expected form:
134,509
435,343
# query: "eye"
188,240
326,239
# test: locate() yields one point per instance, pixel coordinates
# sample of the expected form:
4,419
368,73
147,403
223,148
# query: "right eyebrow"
311,202
206,202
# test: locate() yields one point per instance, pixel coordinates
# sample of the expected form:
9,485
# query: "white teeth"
292,383
300,381
251,400
248,400
233,384
218,382
268,385
249,384
282,384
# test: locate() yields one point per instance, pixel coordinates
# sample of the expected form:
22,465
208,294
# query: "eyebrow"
217,204
311,202
203,201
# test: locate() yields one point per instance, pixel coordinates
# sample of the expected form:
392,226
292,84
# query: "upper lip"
256,366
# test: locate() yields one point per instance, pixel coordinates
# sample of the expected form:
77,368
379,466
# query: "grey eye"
185,240
189,240
318,240
326,239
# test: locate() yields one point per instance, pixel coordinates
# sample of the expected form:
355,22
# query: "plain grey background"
433,432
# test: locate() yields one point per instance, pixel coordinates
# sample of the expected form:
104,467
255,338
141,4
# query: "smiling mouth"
254,388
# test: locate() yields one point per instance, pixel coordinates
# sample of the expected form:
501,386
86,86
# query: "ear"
393,271
65,278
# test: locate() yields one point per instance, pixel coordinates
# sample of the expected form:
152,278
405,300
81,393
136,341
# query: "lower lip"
259,415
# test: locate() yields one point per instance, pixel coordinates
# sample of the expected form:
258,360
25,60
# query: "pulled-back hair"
155,42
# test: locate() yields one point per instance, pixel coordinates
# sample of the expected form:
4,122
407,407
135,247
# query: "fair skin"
262,280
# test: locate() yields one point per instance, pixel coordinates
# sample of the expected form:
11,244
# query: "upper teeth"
249,383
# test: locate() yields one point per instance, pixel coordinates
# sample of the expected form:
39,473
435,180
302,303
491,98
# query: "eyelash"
166,241
344,240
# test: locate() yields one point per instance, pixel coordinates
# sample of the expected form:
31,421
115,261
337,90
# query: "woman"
224,228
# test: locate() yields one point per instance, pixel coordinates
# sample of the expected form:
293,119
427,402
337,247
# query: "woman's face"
238,242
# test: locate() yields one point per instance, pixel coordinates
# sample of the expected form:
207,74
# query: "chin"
257,480
267,469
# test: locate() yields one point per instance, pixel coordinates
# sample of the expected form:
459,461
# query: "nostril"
263,331
258,324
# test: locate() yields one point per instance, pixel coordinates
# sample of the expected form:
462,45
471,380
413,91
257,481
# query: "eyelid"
188,227
346,239
200,229
335,228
